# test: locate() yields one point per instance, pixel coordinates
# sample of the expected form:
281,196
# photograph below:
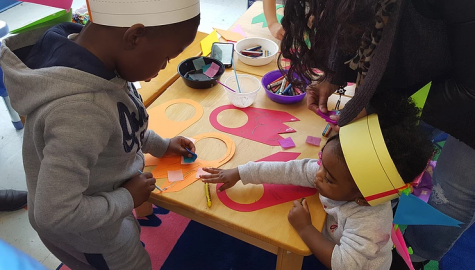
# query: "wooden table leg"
145,209
288,261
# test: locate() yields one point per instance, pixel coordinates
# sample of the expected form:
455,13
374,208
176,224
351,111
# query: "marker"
255,48
208,195
282,86
272,85
277,80
326,131
287,89
155,185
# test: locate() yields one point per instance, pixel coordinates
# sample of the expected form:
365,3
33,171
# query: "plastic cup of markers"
249,86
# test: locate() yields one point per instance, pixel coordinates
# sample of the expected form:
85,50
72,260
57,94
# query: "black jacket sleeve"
450,105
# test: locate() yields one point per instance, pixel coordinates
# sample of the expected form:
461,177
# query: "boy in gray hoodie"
86,126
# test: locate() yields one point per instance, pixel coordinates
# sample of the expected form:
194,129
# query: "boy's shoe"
399,263
11,200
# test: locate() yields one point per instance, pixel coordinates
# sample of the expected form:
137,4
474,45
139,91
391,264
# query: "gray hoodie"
84,137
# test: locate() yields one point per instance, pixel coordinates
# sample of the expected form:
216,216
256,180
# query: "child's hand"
177,147
299,217
277,30
140,187
228,177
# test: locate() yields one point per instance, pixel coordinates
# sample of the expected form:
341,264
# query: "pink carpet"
160,232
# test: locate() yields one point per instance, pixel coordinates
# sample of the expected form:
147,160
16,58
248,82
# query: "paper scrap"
198,77
174,176
401,247
137,85
413,211
229,35
191,159
205,67
191,139
200,172
287,143
212,70
199,63
238,29
188,160
313,140
63,4
207,43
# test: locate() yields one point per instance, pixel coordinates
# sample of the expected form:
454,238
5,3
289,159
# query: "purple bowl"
272,76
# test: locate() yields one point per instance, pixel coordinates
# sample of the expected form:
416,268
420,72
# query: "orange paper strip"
229,35
167,128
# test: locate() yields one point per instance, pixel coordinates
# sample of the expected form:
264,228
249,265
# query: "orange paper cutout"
166,128
229,35
189,170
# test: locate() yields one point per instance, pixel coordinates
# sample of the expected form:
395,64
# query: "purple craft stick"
225,85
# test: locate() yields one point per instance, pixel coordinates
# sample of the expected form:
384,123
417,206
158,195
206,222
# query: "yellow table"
150,91
267,228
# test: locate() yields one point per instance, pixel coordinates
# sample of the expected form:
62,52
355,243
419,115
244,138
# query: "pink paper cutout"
401,247
273,194
313,140
287,143
212,70
263,125
238,29
174,176
64,4
200,172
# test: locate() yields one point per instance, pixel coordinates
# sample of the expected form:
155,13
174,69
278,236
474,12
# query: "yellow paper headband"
369,161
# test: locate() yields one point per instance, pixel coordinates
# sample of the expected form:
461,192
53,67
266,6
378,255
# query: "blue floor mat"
461,255
203,248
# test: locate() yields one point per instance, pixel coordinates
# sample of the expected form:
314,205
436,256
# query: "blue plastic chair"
3,91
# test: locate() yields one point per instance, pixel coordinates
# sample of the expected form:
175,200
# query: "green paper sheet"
261,18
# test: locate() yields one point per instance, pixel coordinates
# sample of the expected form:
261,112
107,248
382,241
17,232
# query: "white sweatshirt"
362,234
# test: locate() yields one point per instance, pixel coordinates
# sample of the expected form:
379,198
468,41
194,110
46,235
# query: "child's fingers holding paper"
186,143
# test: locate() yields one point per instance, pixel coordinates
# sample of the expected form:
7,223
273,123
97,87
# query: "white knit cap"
125,13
